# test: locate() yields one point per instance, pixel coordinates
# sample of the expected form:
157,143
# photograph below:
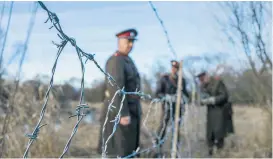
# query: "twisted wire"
164,29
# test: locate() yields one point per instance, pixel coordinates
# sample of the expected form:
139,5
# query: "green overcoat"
126,138
218,124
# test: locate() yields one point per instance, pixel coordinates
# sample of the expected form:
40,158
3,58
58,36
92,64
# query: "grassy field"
252,138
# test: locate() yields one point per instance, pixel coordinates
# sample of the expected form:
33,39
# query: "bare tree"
246,28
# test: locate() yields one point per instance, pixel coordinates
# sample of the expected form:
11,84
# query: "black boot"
210,151
220,144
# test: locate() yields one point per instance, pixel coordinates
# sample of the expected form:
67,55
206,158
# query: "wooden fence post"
177,111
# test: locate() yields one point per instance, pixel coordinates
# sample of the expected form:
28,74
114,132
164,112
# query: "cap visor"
201,74
129,38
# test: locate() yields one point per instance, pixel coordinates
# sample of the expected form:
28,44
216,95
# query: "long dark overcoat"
126,138
229,119
217,114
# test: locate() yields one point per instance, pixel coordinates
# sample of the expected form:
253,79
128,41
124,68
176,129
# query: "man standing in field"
167,87
218,110
122,68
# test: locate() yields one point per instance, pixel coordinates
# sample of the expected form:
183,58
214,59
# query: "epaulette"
218,78
118,54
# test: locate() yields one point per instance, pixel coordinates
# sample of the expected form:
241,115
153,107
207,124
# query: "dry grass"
252,126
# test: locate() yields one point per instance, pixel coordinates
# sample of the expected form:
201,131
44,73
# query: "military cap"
201,73
128,34
175,63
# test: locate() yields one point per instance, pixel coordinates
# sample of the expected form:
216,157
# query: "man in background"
167,88
216,98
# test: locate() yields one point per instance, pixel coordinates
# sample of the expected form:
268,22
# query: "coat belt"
133,96
107,94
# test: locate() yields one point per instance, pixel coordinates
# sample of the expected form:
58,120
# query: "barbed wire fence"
79,110
83,58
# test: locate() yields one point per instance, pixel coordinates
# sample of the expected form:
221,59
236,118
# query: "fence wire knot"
54,19
78,110
111,107
72,41
34,135
90,56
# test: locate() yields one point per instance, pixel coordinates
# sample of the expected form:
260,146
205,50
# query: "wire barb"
34,135
164,29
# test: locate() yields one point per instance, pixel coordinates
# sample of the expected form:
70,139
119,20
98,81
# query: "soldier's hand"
125,120
206,101
168,98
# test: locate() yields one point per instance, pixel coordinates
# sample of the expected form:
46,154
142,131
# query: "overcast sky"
191,26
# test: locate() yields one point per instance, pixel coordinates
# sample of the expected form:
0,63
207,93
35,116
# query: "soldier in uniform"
167,87
122,68
216,98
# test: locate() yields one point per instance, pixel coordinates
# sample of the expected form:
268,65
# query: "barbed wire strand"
36,130
164,29
81,106
164,121
17,81
146,117
6,34
110,107
116,121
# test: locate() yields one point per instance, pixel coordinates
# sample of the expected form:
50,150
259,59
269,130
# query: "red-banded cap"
128,34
